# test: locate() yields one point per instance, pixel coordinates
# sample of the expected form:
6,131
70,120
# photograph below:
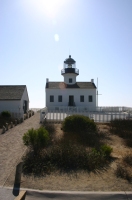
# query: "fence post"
7,126
111,117
40,116
11,125
4,129
15,122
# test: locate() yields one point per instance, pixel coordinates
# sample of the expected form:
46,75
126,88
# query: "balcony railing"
70,70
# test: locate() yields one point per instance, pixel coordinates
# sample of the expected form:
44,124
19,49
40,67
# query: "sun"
49,8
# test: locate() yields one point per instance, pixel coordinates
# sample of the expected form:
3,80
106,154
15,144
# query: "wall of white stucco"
65,97
24,98
10,105
70,75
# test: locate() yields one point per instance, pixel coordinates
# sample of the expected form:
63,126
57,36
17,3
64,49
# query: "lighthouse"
70,92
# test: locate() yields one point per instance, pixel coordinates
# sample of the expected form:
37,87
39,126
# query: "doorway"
71,100
25,106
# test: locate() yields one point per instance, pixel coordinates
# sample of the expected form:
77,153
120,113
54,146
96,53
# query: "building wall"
65,97
10,105
70,75
24,98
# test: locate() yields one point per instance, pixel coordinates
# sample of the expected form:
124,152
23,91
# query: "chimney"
92,80
47,80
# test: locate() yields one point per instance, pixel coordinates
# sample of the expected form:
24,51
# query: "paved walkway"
12,147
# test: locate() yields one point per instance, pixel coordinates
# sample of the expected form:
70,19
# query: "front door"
71,100
25,106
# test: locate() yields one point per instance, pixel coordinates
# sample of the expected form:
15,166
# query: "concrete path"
6,194
12,147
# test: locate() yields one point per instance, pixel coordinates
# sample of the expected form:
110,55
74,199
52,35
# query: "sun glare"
46,7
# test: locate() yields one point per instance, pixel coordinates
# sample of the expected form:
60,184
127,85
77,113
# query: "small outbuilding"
14,98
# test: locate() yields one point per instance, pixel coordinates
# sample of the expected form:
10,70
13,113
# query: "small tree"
36,139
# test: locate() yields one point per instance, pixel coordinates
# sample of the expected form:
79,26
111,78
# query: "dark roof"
11,92
62,85
69,60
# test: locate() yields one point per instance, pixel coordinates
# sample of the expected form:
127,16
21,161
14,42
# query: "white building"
70,93
14,98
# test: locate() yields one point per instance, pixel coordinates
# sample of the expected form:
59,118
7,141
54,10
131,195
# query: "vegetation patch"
122,128
36,140
6,114
78,149
82,130
78,124
5,117
128,142
64,157
123,172
128,159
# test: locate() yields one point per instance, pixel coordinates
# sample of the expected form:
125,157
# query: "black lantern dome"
70,66
69,61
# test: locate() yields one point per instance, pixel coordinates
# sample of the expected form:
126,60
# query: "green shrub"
36,139
6,114
82,130
106,150
78,124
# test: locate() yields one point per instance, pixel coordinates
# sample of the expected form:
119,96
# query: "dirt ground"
102,180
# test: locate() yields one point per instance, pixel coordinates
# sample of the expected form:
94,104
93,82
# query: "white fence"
110,113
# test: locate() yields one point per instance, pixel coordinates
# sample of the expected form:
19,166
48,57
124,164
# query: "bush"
65,157
49,127
128,142
123,173
121,127
6,114
82,130
68,156
36,139
78,124
85,139
128,159
106,150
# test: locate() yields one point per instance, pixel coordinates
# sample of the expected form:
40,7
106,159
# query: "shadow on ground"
17,181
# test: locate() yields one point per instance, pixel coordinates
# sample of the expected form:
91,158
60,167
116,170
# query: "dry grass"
100,180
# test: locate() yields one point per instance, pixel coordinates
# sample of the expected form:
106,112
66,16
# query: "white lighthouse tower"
70,72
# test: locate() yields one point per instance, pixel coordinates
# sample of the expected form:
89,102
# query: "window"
51,98
81,98
59,98
90,98
70,80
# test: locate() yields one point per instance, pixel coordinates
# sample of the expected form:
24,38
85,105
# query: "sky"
36,36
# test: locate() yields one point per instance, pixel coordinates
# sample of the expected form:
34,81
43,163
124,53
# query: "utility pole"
97,92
